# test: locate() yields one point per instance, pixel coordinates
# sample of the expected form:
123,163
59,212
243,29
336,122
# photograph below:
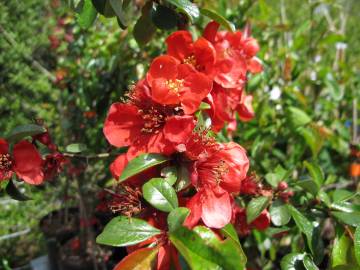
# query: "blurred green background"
52,69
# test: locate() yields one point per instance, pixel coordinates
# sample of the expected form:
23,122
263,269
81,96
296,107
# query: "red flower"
199,55
26,162
175,84
245,109
213,206
53,164
150,130
225,168
235,55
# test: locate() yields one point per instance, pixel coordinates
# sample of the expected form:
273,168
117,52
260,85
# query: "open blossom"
25,162
145,130
173,83
225,168
199,55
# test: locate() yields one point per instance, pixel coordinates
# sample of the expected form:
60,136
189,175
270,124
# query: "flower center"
5,162
153,120
175,85
126,201
220,170
190,60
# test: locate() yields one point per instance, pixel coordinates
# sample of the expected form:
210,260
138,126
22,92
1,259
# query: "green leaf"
202,249
312,139
229,231
87,15
218,18
336,90
170,174
346,207
340,248
183,179
76,148
20,132
141,259
352,219
14,192
357,244
255,207
185,6
309,263
316,173
104,8
122,231
304,225
160,194
204,106
292,261
144,28
163,17
342,195
309,185
271,231
142,163
117,6
279,213
177,217
297,117
277,176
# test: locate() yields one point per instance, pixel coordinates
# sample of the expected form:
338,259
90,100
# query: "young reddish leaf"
141,259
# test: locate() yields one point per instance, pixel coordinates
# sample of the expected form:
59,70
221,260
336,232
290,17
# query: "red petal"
162,94
194,206
118,165
245,110
216,209
251,47
205,53
254,65
162,67
164,258
196,87
28,163
153,143
210,31
178,128
180,45
4,147
123,124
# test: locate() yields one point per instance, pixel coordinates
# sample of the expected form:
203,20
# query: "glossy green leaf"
14,192
187,7
87,15
104,8
352,219
117,6
141,259
255,207
170,174
340,248
292,261
347,207
312,139
142,163
204,106
202,249
76,148
123,231
164,17
279,213
274,178
297,117
229,231
315,172
183,178
357,244
304,225
160,194
144,28
309,263
308,185
177,217
218,18
20,132
342,195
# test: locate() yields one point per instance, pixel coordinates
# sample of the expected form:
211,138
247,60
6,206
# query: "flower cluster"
161,115
25,161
